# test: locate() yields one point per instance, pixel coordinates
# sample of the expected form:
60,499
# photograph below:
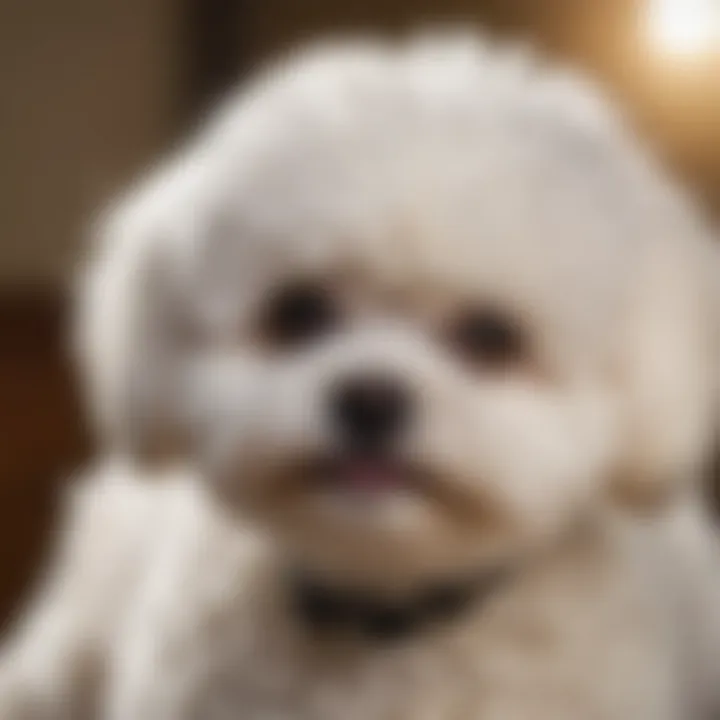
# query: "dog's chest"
244,668
231,651
212,641
255,675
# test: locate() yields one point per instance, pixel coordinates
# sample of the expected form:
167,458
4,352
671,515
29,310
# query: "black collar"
325,609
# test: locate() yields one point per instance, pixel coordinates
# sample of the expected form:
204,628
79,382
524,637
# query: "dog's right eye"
298,314
488,338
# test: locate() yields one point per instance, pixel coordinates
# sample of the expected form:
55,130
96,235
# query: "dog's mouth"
342,475
365,475
370,480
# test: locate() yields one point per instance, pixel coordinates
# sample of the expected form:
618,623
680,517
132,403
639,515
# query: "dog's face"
437,389
402,334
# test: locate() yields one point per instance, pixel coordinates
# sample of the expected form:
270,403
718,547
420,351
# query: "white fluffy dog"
430,340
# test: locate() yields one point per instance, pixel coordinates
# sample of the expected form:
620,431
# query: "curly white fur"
414,181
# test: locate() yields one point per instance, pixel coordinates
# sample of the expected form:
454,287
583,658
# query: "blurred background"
92,90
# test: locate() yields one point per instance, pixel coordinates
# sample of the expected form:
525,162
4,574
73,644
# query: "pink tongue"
370,476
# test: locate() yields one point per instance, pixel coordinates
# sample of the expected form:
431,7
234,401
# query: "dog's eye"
298,314
488,338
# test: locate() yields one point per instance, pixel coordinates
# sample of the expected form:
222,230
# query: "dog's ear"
669,362
124,326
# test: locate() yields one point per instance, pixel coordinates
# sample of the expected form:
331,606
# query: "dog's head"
410,309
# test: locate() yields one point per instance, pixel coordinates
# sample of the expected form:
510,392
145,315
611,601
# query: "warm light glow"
686,26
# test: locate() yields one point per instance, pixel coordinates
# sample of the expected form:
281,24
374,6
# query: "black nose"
371,410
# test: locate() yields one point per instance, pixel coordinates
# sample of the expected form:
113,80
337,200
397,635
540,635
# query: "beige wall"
88,94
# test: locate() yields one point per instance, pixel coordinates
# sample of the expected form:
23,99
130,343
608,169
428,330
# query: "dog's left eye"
488,338
298,314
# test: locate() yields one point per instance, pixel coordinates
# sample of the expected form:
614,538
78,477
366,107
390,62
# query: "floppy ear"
125,323
669,364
